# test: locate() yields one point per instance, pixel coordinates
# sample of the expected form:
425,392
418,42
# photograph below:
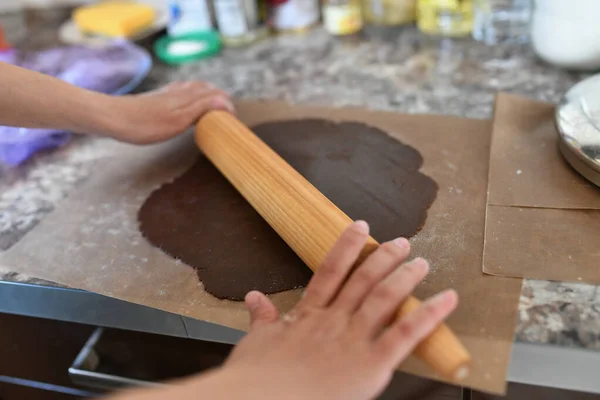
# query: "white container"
295,15
566,33
189,16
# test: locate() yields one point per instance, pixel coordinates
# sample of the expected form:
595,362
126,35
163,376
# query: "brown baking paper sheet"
543,218
92,242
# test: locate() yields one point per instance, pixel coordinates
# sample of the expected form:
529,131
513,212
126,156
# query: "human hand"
340,341
164,113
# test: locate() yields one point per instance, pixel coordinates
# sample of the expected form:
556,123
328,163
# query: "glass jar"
342,17
502,21
294,16
389,12
452,18
241,22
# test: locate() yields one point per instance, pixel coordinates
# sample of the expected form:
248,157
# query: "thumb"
262,310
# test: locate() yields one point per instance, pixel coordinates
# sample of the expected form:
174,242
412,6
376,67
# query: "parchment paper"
92,242
542,216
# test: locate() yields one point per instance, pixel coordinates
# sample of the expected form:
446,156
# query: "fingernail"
402,243
420,260
419,263
220,102
252,300
444,296
450,293
362,226
230,106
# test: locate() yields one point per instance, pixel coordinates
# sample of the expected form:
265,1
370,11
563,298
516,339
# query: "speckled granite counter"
398,71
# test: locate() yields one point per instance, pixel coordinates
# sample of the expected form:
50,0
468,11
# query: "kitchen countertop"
395,71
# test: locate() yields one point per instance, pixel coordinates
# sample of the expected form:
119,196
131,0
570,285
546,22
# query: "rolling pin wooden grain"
304,218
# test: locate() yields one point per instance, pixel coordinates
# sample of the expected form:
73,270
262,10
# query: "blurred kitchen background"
557,30
416,56
487,20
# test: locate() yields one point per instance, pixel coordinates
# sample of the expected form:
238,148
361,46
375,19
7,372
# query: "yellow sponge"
114,18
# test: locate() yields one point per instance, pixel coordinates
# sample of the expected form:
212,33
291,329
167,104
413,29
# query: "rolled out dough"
202,220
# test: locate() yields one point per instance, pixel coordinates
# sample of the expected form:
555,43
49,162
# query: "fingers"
375,268
382,302
399,340
262,310
196,98
206,91
205,101
191,86
333,271
222,102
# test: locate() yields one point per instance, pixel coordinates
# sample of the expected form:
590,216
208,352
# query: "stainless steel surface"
83,373
578,123
48,386
83,307
202,330
86,308
542,365
556,367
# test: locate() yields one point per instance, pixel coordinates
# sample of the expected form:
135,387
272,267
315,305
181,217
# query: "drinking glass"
502,21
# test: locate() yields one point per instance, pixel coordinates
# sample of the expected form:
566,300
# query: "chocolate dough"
202,220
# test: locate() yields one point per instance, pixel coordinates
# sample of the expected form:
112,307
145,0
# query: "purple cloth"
115,69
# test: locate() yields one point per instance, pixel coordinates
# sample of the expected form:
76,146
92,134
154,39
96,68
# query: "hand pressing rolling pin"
337,343
32,100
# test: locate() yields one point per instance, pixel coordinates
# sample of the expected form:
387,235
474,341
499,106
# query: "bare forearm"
34,100
219,384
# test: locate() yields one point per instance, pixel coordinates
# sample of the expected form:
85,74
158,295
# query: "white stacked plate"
578,123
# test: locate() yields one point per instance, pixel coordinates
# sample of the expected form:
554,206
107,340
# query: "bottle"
452,18
389,12
189,16
342,17
294,16
241,22
502,21
3,43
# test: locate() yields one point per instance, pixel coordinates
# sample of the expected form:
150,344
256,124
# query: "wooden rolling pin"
308,222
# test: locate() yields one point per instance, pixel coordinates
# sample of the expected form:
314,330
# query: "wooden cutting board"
92,242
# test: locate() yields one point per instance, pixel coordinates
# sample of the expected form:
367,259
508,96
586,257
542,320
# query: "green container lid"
188,48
